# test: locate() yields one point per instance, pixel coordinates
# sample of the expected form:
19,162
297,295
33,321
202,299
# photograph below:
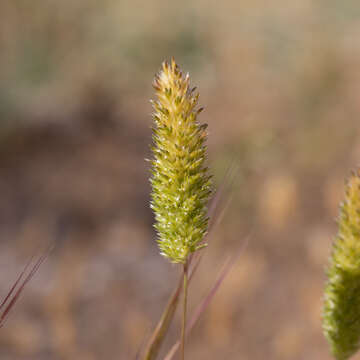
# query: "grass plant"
181,186
184,213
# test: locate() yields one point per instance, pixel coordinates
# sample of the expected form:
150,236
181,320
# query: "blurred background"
280,83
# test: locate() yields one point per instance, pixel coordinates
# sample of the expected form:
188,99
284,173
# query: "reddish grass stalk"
228,265
14,293
16,283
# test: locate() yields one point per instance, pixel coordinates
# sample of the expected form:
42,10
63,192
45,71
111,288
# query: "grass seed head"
341,311
181,186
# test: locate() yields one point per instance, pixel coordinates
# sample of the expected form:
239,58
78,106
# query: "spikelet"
180,182
341,312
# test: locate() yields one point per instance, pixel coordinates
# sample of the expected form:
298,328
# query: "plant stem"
162,327
183,328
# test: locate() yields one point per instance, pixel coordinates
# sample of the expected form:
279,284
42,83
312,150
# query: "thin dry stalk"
228,265
13,295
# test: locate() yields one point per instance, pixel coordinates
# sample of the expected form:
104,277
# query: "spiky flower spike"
341,312
180,182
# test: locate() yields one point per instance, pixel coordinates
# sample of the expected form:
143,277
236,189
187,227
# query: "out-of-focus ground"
280,82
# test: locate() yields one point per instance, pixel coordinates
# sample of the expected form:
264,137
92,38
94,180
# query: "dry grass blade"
14,294
216,208
162,327
16,283
229,263
222,193
140,348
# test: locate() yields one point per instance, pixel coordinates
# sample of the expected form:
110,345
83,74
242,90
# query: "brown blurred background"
280,82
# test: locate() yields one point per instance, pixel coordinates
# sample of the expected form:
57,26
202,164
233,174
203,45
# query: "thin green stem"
183,327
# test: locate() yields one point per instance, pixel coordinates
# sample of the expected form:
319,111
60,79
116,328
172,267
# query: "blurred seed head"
341,312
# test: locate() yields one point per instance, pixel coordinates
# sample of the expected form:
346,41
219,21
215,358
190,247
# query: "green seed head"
180,184
341,312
